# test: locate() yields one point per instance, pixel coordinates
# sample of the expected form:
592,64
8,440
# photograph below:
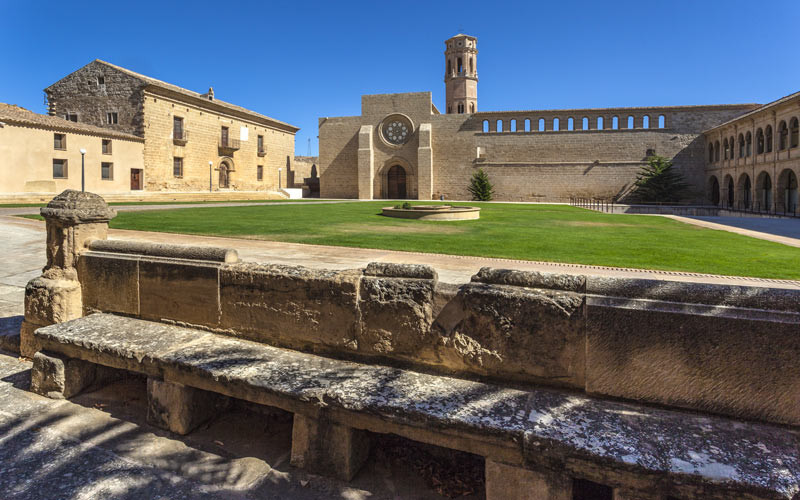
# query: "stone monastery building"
402,146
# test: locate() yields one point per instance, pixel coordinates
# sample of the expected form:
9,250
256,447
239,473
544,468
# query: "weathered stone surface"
396,315
109,283
392,270
727,457
179,408
508,482
179,290
77,207
531,279
191,252
710,359
60,377
323,447
47,301
517,333
292,306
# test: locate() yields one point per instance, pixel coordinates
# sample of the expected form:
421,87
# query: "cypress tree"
479,186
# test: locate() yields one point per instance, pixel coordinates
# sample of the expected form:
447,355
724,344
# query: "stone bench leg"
59,377
179,408
329,449
509,482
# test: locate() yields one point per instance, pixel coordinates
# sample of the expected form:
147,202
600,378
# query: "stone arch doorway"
397,183
788,193
745,192
713,190
764,191
730,192
224,175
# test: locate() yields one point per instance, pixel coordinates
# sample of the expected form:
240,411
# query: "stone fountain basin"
433,212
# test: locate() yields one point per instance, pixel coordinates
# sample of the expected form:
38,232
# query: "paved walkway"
786,231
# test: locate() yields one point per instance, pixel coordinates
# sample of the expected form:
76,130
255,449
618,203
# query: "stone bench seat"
529,437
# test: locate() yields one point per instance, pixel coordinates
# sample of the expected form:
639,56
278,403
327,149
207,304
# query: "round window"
397,129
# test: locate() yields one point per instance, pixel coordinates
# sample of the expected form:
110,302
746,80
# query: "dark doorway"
397,183
714,191
136,179
224,176
731,192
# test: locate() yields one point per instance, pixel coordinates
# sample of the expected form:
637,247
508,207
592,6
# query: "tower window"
460,66
449,67
112,118
460,108
73,117
471,66
101,81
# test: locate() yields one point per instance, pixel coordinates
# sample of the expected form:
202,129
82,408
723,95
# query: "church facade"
402,146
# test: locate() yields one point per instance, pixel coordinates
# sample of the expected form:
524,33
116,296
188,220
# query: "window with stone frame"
177,166
70,116
107,171
261,144
260,173
59,169
112,118
177,127
60,141
106,146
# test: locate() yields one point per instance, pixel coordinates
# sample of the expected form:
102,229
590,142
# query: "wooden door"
397,183
136,179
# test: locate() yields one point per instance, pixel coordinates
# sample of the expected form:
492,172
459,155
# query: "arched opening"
313,171
733,147
471,66
764,192
726,148
662,121
224,175
541,125
472,107
512,126
730,192
449,67
631,123
787,191
460,66
713,190
585,123
741,146
710,152
748,141
461,108
615,122
716,151
768,139
499,125
794,133
556,124
599,123
396,183
745,192
527,124
485,126
570,123
759,141
646,121
783,135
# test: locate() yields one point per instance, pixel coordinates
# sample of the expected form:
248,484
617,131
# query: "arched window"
646,122
662,121
630,122
527,124
556,124
471,66
764,191
749,144
787,198
472,107
794,133
570,123
759,141
725,148
713,190
730,192
541,125
716,151
485,125
745,191
741,146
585,123
499,125
768,139
615,122
461,108
783,135
449,66
512,126
710,152
733,147
599,123
460,66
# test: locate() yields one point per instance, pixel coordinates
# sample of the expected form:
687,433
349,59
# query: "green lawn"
554,233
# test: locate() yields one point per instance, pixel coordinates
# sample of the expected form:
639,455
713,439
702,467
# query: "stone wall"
720,349
302,167
533,165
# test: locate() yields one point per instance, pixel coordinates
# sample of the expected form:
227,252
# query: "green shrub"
479,186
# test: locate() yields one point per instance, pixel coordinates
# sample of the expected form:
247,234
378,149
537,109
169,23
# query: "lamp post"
279,177
210,165
83,177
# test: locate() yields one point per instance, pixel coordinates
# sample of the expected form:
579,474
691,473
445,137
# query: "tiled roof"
11,113
757,110
181,90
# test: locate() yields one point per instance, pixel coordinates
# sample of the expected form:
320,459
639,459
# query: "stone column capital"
76,207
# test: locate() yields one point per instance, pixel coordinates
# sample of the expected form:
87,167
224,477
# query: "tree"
479,186
659,182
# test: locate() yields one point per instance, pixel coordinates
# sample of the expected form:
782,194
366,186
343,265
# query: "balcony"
227,146
262,151
180,137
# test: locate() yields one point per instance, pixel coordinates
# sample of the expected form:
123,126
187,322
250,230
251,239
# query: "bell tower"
461,74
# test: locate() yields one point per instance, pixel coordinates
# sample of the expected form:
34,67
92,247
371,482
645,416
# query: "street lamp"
83,180
210,165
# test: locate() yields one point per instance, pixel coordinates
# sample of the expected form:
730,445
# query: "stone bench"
537,443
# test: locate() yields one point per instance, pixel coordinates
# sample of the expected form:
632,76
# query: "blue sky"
297,61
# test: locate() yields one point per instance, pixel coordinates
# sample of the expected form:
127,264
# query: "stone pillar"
509,482
425,163
366,170
60,377
179,408
329,449
73,219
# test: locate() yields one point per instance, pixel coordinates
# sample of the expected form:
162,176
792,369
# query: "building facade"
401,146
42,154
753,161
191,142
